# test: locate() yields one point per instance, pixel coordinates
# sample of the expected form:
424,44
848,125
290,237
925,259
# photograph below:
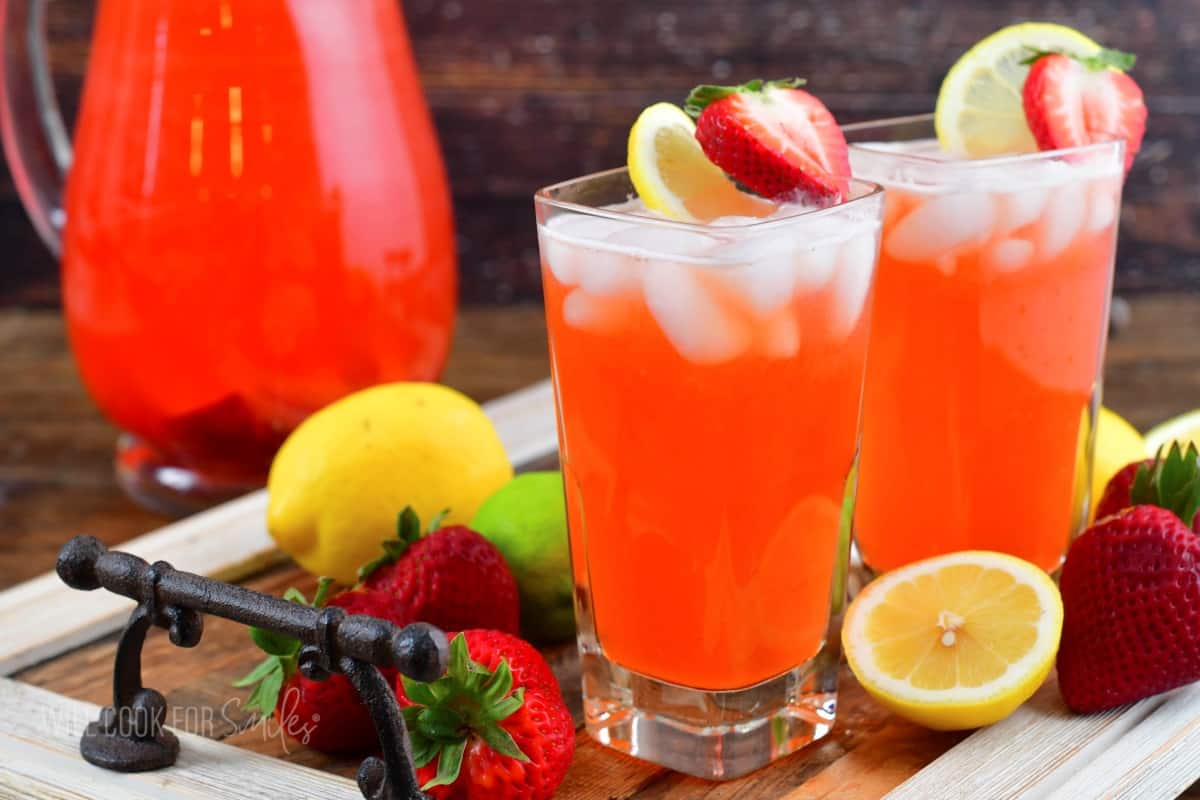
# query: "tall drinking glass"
986,349
708,381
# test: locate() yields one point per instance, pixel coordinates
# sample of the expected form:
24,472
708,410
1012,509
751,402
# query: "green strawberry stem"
702,96
1171,482
468,700
408,531
1103,59
282,655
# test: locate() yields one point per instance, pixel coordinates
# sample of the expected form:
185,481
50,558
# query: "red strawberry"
1118,490
475,736
1073,101
1131,593
1131,610
775,139
324,715
452,578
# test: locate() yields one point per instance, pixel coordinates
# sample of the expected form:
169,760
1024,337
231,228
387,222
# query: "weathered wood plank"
1044,750
43,618
39,760
1160,758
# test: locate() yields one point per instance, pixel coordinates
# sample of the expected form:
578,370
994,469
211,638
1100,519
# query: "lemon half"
980,111
957,641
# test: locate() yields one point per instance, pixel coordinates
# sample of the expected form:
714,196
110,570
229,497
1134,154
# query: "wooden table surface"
56,481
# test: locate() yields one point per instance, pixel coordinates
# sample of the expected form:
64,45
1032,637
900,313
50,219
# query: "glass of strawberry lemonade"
708,378
992,299
992,309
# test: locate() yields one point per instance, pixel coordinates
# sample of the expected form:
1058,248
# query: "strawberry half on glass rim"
1073,100
773,138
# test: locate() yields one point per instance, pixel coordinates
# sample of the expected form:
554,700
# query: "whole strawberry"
324,715
452,578
777,140
1131,594
494,728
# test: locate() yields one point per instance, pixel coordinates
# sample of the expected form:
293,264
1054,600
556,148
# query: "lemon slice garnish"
980,111
674,177
956,641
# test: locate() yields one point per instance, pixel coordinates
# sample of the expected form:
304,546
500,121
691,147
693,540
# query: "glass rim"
542,197
984,162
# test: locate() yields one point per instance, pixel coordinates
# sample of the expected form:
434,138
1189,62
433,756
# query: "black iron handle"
130,735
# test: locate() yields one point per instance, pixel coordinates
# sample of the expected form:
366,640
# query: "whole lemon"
527,521
1117,444
341,479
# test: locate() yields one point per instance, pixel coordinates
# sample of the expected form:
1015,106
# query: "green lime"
526,519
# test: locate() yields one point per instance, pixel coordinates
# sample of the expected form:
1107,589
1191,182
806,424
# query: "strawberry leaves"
702,96
468,700
408,531
282,654
1171,482
1104,58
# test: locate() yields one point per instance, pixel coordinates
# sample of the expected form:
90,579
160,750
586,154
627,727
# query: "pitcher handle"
35,139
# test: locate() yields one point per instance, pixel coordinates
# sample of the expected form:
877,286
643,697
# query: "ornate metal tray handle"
130,735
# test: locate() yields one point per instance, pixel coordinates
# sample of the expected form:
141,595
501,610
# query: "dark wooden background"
527,92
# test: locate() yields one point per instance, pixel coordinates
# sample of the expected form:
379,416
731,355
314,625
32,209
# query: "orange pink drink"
989,331
708,381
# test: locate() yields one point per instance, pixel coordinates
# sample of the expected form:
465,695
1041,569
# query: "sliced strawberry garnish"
1072,101
776,140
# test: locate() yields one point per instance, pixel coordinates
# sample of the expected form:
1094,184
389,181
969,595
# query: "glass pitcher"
256,221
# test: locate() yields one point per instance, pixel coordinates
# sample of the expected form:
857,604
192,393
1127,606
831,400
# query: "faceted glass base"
712,735
154,482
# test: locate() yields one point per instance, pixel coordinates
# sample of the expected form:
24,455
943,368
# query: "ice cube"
1020,208
1103,210
564,242
560,256
1008,255
694,323
942,223
663,241
816,263
585,227
852,282
764,272
607,272
581,310
783,337
1064,215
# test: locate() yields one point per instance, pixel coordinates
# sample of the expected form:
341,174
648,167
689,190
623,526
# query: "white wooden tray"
1148,750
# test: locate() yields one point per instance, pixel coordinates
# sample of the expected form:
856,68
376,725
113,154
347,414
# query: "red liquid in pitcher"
257,221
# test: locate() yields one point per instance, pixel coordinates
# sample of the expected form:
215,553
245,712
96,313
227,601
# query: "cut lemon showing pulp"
674,177
955,641
1183,429
980,111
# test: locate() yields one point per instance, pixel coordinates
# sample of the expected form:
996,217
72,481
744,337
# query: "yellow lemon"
1117,444
980,111
1183,429
673,176
956,641
341,479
